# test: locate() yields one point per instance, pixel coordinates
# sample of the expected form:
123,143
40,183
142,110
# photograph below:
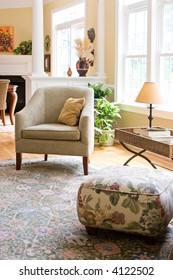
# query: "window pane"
140,49
137,33
75,33
63,51
69,14
166,78
68,25
129,2
167,42
135,77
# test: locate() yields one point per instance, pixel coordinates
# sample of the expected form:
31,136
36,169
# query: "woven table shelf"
131,136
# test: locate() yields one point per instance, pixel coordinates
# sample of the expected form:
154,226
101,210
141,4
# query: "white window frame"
161,52
122,40
80,22
153,55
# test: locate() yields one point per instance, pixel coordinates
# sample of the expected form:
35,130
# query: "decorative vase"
82,67
69,72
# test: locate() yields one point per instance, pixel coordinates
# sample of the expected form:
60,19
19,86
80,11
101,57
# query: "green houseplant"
105,114
100,90
24,48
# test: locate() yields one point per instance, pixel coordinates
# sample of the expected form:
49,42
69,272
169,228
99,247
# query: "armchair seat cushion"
52,131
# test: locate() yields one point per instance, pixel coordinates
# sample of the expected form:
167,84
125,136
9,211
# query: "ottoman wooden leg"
91,230
150,239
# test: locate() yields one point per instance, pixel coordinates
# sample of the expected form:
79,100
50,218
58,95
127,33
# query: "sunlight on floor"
8,127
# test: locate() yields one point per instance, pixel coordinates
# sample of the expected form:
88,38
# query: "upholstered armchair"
40,127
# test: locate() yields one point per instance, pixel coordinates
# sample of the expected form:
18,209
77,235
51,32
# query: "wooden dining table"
13,100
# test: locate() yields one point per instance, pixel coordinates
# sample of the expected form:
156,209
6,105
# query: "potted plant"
105,114
24,48
100,90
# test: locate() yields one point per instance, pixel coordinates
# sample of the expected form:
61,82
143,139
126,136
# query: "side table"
131,136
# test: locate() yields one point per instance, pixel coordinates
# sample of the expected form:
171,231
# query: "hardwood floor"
102,156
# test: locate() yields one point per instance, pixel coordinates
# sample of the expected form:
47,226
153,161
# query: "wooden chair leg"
45,157
18,161
3,117
151,239
85,165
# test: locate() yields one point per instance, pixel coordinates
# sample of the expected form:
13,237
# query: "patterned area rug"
38,218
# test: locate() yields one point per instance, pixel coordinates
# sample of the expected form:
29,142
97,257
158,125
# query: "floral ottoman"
130,199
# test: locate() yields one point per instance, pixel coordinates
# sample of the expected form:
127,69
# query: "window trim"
142,109
68,25
54,27
152,54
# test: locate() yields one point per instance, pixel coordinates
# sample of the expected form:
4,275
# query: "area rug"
38,217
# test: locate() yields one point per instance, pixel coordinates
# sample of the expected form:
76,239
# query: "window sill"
142,109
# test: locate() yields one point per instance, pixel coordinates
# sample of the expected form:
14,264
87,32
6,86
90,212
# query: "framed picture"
47,43
6,38
47,63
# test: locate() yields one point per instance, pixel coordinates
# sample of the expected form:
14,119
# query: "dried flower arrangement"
85,50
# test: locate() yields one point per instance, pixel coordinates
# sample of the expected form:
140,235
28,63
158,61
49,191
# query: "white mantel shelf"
15,64
47,81
51,80
22,65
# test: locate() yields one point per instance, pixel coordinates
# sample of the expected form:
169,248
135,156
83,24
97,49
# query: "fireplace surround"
20,83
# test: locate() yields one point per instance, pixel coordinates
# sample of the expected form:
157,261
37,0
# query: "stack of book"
157,133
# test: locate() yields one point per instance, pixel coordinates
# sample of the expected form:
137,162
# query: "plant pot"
82,67
109,142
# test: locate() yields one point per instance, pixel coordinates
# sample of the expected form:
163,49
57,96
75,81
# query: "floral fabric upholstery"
130,199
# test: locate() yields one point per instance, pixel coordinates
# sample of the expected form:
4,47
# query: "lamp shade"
150,93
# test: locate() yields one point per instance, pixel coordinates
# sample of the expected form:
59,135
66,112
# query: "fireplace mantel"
15,65
21,65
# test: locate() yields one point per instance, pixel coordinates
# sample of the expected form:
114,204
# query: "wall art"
47,63
6,38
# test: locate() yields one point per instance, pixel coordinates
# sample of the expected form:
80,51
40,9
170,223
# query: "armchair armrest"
32,114
86,123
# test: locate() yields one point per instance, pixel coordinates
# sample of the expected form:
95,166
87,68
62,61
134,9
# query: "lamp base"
150,117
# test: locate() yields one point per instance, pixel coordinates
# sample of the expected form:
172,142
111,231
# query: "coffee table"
131,136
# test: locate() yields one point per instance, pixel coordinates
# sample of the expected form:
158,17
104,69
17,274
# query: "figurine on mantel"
69,72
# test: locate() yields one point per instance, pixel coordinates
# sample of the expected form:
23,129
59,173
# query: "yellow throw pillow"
71,111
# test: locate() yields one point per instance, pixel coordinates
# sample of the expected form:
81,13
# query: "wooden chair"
3,96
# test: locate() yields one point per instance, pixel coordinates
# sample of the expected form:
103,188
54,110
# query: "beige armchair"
38,131
3,98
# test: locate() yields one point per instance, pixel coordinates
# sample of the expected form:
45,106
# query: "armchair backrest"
50,100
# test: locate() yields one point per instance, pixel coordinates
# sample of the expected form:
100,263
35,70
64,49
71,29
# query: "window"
135,59
68,24
145,50
166,50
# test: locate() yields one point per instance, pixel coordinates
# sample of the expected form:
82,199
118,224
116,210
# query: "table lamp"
150,93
